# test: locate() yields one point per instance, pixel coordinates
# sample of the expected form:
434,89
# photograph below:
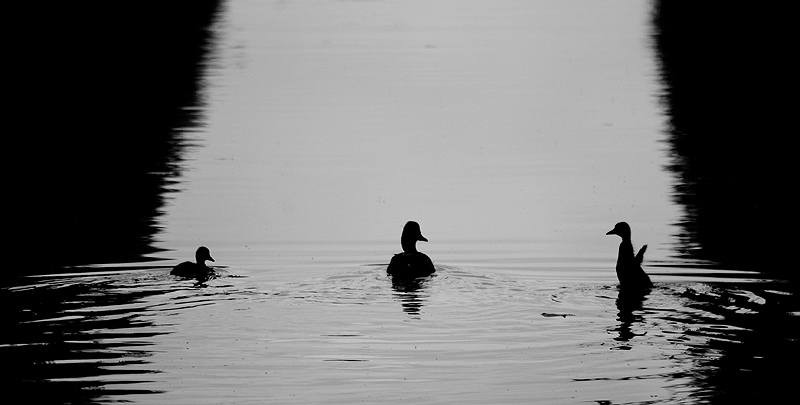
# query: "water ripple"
113,333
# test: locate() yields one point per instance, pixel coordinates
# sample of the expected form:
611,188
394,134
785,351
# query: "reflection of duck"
629,268
409,291
629,303
197,270
411,263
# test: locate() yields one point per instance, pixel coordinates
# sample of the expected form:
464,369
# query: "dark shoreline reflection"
77,339
724,70
743,350
106,93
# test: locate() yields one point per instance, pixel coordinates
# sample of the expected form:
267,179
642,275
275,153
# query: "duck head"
411,234
202,254
622,229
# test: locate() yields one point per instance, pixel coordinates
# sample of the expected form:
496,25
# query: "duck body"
411,263
197,269
191,270
629,267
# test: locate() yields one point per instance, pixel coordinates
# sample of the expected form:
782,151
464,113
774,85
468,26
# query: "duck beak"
611,232
210,258
422,238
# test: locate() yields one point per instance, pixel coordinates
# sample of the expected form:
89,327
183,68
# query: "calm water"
517,133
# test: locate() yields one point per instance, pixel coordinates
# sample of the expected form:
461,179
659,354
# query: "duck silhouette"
197,269
411,263
629,267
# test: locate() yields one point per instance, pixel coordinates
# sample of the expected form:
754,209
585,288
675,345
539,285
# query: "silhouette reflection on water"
410,270
410,291
629,302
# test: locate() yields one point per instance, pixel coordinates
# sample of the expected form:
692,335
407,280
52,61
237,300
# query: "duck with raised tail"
629,267
411,263
197,269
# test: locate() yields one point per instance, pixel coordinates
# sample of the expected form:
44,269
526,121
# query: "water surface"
301,137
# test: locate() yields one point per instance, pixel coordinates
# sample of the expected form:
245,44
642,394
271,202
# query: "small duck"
197,270
629,267
411,263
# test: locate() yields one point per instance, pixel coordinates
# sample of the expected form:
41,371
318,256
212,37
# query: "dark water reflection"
73,340
629,303
105,97
751,344
410,291
109,92
723,68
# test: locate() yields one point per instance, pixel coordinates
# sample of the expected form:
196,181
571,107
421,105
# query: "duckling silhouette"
411,263
629,267
197,270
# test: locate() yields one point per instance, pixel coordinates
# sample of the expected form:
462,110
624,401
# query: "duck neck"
625,250
409,246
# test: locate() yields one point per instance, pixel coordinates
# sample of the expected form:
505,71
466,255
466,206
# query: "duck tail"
640,255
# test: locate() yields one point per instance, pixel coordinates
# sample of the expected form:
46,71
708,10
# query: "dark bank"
725,70
105,95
